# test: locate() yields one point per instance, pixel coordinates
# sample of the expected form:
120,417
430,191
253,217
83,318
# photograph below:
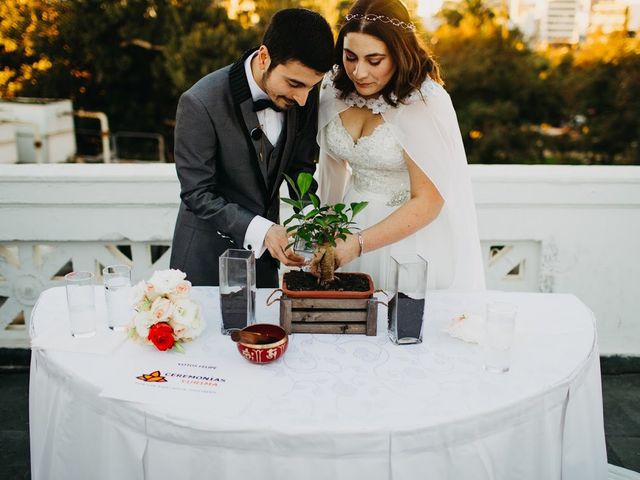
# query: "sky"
426,8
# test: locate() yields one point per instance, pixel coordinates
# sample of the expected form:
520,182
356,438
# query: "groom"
238,130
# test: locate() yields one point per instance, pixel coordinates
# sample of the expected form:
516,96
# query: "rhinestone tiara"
372,17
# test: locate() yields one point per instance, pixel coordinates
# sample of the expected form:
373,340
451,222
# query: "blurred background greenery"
516,103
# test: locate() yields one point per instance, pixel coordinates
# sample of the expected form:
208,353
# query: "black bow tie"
265,103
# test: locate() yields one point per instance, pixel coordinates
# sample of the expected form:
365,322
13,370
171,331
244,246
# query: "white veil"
427,128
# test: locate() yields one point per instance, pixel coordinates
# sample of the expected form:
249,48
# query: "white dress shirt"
271,124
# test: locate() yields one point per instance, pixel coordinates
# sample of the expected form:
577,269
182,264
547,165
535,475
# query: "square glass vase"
237,289
408,283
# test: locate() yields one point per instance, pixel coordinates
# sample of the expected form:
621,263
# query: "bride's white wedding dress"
373,168
379,176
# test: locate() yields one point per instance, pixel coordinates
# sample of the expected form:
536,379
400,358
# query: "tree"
496,83
130,59
601,88
21,55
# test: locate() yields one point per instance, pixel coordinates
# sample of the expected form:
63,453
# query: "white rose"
137,294
187,320
161,309
143,322
151,291
182,289
165,281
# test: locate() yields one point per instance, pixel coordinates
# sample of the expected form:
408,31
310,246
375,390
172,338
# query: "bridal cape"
426,127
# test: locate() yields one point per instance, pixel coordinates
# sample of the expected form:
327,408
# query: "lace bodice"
376,160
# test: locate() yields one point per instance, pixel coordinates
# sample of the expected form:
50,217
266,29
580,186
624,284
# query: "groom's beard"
282,101
288,103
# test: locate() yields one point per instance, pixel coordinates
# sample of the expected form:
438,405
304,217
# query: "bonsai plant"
321,300
319,227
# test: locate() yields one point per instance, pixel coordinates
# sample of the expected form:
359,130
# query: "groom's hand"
276,241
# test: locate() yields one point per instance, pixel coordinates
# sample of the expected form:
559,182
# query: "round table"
334,406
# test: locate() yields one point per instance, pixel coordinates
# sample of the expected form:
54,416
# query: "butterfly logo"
152,377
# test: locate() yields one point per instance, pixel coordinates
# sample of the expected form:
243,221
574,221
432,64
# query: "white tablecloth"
337,406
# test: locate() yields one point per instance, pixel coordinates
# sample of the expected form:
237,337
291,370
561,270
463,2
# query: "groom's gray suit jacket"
223,181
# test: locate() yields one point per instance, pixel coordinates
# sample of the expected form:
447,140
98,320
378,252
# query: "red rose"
161,335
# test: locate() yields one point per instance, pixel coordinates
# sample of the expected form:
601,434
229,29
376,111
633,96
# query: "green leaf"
304,182
294,203
311,214
293,186
315,200
338,207
357,208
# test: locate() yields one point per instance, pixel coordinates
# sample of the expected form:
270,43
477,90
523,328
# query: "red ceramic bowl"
268,352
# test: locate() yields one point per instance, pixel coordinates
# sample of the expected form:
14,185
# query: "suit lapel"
291,124
244,110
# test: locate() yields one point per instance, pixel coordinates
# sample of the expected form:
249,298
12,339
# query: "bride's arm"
420,210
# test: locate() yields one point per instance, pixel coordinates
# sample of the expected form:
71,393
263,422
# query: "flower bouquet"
165,315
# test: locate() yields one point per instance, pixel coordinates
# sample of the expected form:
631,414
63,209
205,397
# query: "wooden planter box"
329,315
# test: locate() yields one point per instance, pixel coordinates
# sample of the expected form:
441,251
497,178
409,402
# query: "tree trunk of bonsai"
323,264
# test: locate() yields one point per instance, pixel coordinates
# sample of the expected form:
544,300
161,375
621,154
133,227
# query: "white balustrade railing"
570,229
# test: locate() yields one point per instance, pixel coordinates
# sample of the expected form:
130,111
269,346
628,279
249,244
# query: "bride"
389,135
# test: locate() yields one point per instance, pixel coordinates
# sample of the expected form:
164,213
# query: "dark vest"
272,156
269,158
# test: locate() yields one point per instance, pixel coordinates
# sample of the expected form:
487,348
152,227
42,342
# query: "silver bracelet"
361,243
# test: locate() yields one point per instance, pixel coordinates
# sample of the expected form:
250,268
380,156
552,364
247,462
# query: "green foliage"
130,59
507,95
133,58
602,89
203,40
323,224
495,82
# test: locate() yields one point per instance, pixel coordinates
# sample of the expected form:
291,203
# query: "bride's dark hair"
413,62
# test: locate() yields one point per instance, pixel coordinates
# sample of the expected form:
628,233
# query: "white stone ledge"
157,184
579,224
556,185
89,185
121,172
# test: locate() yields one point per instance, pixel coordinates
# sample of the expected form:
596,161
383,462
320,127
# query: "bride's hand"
346,250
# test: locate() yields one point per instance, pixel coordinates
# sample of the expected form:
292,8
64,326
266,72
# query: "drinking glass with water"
117,290
81,303
500,326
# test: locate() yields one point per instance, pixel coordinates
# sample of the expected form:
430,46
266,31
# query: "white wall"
569,229
586,221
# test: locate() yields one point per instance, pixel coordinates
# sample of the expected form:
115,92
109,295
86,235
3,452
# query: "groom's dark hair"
302,35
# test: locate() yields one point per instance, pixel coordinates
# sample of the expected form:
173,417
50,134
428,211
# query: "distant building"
634,18
609,16
525,14
563,22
